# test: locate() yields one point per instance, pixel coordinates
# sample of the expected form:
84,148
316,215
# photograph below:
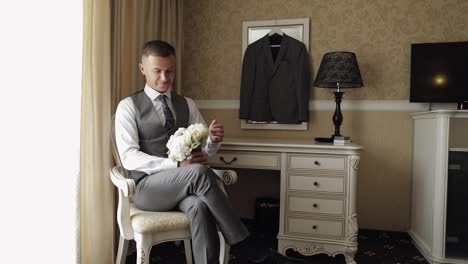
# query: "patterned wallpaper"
378,31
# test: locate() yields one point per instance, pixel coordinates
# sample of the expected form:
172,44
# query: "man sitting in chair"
143,124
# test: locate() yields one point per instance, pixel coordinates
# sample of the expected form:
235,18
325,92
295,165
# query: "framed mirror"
255,30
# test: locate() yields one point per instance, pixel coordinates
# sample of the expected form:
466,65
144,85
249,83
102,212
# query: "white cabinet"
319,214
435,132
318,190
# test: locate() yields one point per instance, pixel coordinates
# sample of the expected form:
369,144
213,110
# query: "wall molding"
346,105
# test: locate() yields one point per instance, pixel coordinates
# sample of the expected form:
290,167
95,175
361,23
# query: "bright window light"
40,65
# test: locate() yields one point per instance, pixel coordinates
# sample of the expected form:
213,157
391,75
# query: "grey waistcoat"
152,134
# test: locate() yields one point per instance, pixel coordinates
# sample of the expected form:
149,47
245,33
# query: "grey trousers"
194,190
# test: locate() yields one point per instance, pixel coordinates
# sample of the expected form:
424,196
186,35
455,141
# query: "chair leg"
122,251
188,251
143,248
223,249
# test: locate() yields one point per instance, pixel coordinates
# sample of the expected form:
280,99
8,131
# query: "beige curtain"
97,221
134,23
114,33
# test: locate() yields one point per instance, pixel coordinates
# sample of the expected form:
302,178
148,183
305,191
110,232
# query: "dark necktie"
167,112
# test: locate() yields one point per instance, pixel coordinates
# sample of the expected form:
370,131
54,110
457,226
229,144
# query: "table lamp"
338,70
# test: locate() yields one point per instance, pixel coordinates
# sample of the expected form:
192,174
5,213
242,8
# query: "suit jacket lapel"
267,50
282,52
274,64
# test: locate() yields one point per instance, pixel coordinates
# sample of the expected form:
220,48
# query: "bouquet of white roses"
185,140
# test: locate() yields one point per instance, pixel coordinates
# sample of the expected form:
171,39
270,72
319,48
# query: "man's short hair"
158,48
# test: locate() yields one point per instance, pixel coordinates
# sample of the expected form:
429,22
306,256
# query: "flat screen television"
439,73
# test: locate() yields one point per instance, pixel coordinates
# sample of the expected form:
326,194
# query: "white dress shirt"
126,134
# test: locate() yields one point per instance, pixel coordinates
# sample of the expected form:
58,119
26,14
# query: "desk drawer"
316,205
313,227
316,162
254,160
315,183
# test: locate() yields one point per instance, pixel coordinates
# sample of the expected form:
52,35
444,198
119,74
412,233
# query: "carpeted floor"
375,247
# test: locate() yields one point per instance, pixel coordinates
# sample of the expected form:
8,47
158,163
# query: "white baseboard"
424,249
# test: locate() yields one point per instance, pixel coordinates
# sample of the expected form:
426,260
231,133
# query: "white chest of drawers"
318,190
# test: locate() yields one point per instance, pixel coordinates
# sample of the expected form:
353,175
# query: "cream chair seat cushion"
145,221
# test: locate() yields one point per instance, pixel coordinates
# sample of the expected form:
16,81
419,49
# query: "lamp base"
324,139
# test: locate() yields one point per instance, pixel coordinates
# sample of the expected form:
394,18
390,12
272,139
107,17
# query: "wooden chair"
151,228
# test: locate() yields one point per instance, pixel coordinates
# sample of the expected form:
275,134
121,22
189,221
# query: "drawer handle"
227,162
316,184
314,227
315,205
317,163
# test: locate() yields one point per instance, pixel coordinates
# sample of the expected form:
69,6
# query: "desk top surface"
284,143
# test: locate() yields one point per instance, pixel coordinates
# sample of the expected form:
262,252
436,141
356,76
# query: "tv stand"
435,133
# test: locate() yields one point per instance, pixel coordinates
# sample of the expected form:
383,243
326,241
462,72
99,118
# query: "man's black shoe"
274,257
251,251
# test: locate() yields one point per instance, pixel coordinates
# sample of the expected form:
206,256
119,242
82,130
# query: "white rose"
179,150
179,131
187,139
198,131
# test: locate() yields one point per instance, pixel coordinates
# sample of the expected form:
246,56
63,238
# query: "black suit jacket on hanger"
275,90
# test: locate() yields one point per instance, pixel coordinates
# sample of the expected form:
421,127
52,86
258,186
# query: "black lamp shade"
339,67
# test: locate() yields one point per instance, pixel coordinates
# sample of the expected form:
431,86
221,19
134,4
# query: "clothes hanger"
275,31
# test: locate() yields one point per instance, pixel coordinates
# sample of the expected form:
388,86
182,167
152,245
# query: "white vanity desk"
318,190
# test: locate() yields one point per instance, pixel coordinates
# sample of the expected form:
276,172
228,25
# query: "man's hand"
216,131
197,157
